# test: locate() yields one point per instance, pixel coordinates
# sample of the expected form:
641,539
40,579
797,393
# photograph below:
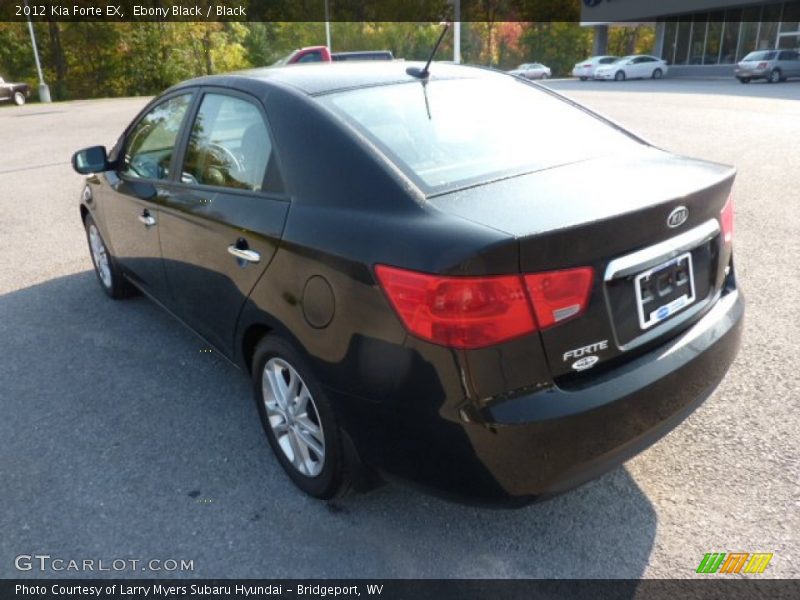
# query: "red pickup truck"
323,54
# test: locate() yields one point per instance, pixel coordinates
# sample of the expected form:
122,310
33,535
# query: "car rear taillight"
475,312
762,65
559,295
726,220
461,312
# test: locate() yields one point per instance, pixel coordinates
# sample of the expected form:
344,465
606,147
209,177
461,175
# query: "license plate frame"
648,317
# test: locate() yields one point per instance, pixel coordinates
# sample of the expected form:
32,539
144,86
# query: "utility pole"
44,91
457,31
328,26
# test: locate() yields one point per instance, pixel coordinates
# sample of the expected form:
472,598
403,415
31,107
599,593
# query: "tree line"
96,59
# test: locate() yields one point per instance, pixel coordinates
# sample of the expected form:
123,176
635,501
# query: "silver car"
772,65
532,71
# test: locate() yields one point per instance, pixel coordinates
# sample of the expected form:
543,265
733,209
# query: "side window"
315,56
229,145
151,143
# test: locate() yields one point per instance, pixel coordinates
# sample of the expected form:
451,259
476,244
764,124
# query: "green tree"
631,40
559,45
16,55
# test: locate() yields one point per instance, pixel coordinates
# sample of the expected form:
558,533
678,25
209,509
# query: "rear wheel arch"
262,326
251,337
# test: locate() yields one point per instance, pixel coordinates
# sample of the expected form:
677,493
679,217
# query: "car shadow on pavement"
123,436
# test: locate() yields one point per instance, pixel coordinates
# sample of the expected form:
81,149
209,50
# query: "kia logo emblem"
678,217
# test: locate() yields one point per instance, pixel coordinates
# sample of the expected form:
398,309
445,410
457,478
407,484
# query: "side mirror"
90,160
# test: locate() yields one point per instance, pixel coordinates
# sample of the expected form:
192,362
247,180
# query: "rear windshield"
453,133
760,56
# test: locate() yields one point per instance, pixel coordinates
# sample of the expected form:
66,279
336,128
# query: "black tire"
744,80
544,76
112,282
336,474
619,76
658,74
775,76
584,78
19,98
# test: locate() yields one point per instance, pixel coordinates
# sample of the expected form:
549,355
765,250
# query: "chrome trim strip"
651,256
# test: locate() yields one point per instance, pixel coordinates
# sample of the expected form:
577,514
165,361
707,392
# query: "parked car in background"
418,276
313,54
635,66
532,71
585,69
772,65
18,93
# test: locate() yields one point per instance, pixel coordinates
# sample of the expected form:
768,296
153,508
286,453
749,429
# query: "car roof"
323,78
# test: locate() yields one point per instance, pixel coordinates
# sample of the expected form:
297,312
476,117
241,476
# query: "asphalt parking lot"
120,439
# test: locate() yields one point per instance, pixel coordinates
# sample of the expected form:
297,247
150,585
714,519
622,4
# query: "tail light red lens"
475,312
559,295
726,220
461,312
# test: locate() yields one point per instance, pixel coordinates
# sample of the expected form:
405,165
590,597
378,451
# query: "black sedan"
422,282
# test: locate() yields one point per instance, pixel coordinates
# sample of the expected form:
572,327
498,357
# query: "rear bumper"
740,73
579,434
540,444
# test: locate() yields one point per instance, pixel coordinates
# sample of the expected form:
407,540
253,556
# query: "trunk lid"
611,214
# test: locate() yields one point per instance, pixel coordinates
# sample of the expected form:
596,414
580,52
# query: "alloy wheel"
293,417
100,256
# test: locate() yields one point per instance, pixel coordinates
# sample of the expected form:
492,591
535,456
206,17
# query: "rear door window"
229,145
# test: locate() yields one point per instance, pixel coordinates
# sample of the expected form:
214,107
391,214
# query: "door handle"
146,219
247,255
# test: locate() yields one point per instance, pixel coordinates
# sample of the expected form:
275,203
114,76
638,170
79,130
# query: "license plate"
664,290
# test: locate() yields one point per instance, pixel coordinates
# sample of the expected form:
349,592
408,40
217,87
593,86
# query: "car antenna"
424,73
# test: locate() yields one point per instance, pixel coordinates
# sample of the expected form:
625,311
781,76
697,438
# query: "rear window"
760,56
453,133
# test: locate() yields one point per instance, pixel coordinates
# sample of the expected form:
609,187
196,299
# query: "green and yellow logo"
734,562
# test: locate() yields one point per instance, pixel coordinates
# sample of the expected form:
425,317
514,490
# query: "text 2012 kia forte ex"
423,281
